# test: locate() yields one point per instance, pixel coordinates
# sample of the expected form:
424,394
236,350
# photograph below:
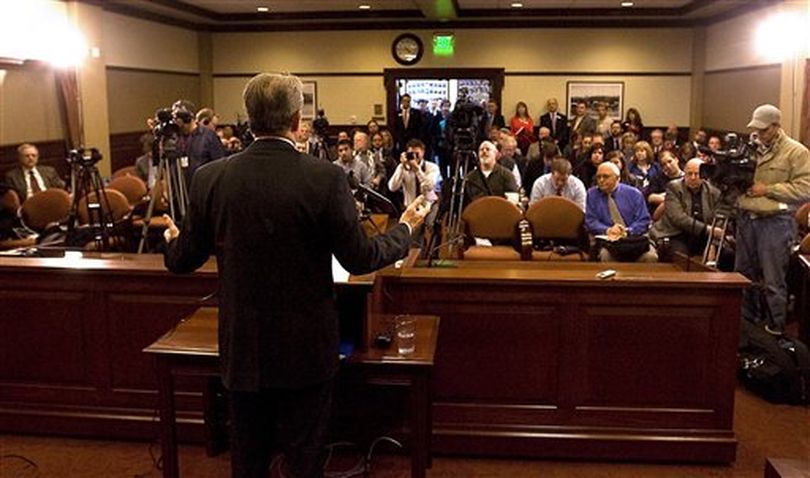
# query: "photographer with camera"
414,176
197,144
765,225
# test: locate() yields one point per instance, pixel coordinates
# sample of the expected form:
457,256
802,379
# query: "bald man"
616,212
489,178
689,208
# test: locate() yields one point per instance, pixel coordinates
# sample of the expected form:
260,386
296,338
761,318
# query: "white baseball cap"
764,116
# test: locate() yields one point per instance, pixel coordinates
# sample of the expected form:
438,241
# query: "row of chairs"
557,228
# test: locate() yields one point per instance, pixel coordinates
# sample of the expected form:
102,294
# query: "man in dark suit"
30,178
494,116
582,123
408,124
274,217
556,123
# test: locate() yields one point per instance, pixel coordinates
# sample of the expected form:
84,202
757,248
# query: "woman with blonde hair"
643,166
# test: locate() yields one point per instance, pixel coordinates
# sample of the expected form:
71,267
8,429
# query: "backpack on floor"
776,368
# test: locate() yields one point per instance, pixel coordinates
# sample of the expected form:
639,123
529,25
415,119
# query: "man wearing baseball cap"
765,227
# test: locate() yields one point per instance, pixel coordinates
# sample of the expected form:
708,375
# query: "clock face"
407,49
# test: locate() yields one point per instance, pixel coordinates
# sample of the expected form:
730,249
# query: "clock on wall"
407,49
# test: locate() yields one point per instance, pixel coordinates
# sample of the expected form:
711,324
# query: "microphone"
352,180
383,202
449,242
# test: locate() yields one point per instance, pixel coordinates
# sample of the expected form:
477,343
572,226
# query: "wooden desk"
545,360
803,303
786,468
191,349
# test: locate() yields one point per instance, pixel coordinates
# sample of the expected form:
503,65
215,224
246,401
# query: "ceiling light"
627,4
517,5
262,9
364,7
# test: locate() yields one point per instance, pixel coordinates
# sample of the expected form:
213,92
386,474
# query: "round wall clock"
407,49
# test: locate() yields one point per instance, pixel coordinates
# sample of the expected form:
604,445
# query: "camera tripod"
461,166
87,185
169,175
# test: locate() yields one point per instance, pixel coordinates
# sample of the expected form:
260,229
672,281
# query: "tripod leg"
150,210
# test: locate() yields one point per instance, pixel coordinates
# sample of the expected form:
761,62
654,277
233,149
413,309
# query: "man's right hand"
416,212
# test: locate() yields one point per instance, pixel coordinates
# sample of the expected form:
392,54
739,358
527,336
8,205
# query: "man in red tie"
30,178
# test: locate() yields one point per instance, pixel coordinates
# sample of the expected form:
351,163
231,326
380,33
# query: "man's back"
274,217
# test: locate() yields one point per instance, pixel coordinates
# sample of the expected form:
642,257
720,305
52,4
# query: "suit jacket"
15,179
496,120
677,218
560,129
586,126
414,129
274,217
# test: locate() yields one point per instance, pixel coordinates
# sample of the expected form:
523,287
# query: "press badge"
184,161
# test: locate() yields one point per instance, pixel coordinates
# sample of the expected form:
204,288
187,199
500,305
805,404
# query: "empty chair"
132,187
126,171
10,201
45,208
493,218
558,228
118,205
803,218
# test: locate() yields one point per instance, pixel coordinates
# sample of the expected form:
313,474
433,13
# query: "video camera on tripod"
732,169
88,190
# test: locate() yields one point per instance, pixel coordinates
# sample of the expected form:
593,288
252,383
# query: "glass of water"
406,332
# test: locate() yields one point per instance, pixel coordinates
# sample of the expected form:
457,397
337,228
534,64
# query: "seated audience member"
535,151
617,211
686,152
715,144
414,176
628,143
372,127
383,153
489,178
29,178
688,212
8,217
559,182
613,142
510,158
617,158
585,170
145,168
539,166
670,171
657,143
699,139
672,134
643,166
351,164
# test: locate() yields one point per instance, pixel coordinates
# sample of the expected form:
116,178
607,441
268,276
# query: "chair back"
803,217
132,187
491,217
10,201
117,201
126,171
45,208
556,217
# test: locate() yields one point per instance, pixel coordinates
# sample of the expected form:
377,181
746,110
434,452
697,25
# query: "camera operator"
197,144
414,175
765,227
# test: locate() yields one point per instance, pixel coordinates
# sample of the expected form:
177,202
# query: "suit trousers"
291,421
763,253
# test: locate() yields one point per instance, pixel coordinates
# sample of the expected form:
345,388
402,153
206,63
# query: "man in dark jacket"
274,217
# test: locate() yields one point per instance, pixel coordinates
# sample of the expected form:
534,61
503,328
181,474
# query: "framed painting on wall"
609,92
310,100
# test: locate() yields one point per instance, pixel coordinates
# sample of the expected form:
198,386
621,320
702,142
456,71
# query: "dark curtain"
67,84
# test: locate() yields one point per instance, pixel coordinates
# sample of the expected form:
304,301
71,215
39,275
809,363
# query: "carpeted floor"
763,430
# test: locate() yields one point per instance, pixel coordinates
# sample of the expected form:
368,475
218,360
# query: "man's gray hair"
271,101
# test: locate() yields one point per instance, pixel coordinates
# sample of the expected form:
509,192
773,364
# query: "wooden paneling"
125,148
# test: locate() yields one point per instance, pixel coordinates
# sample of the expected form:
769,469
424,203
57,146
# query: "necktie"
417,184
554,124
34,184
615,215
559,191
405,118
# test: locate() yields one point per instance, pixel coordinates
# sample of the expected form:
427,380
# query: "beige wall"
29,105
131,42
136,95
730,97
662,99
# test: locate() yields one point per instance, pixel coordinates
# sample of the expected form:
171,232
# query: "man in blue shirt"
616,211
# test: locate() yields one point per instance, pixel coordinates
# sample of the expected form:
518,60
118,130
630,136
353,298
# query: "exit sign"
443,44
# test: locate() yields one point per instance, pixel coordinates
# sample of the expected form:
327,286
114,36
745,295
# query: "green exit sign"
443,44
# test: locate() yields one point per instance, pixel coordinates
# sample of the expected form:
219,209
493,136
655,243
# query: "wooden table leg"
420,439
168,431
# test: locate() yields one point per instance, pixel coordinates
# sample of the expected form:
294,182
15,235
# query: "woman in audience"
586,169
372,127
686,152
617,158
522,126
628,143
632,122
643,166
388,139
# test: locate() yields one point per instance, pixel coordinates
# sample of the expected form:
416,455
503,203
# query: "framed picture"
310,100
591,92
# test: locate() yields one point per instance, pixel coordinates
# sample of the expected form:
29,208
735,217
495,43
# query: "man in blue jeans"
765,227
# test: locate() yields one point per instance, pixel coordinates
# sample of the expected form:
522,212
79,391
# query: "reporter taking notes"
274,217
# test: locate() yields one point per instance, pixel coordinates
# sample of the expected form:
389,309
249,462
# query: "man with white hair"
510,158
489,178
616,212
689,207
275,218
765,225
